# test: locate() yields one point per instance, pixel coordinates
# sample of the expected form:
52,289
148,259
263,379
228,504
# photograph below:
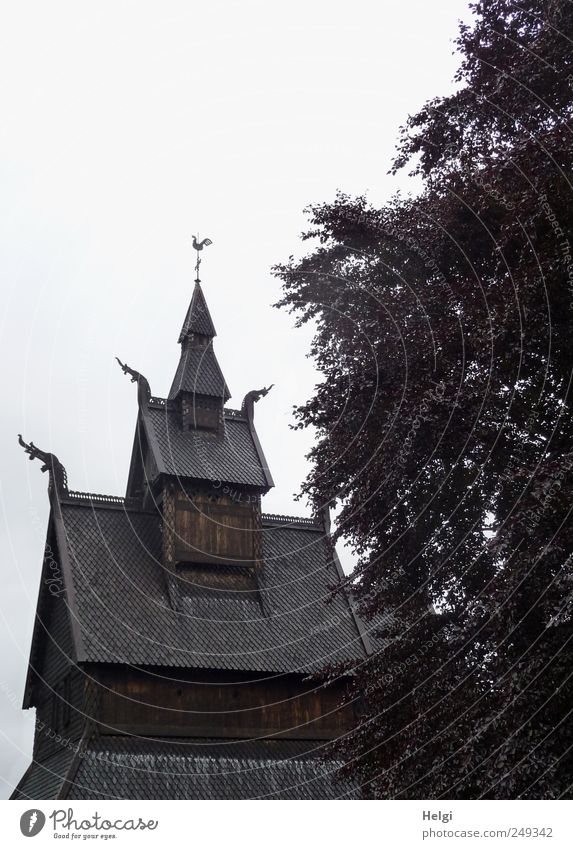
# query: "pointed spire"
198,372
198,318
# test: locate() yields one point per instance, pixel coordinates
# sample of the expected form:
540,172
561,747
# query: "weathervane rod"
199,247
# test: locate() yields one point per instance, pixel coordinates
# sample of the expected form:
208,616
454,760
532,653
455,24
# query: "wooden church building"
180,631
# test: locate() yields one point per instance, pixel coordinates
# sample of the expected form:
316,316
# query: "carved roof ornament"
58,476
143,388
251,398
199,247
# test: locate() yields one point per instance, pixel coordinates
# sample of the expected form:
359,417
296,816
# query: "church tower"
179,653
202,466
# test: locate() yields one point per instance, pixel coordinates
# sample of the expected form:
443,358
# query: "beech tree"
443,420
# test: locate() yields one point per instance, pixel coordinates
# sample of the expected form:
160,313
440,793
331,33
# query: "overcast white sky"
125,128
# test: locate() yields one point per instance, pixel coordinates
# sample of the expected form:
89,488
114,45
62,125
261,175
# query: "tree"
444,430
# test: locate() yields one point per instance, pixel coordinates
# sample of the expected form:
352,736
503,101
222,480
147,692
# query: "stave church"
180,653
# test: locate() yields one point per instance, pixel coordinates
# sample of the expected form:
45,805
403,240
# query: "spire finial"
199,247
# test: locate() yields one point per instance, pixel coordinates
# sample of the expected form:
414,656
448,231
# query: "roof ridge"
111,501
229,413
280,519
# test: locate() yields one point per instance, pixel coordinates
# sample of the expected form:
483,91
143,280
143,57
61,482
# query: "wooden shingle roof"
198,318
199,372
122,767
122,611
232,456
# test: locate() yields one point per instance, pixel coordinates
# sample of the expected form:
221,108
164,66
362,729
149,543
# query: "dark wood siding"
215,705
214,531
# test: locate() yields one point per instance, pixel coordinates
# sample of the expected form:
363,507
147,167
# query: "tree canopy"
443,335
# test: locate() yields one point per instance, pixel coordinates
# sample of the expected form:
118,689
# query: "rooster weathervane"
199,247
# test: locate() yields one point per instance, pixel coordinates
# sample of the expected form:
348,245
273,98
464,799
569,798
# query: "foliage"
445,435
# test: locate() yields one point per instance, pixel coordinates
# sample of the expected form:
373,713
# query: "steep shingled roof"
131,768
231,456
44,780
198,318
122,611
199,372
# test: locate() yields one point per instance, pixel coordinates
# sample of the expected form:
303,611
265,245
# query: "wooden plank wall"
209,530
215,705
